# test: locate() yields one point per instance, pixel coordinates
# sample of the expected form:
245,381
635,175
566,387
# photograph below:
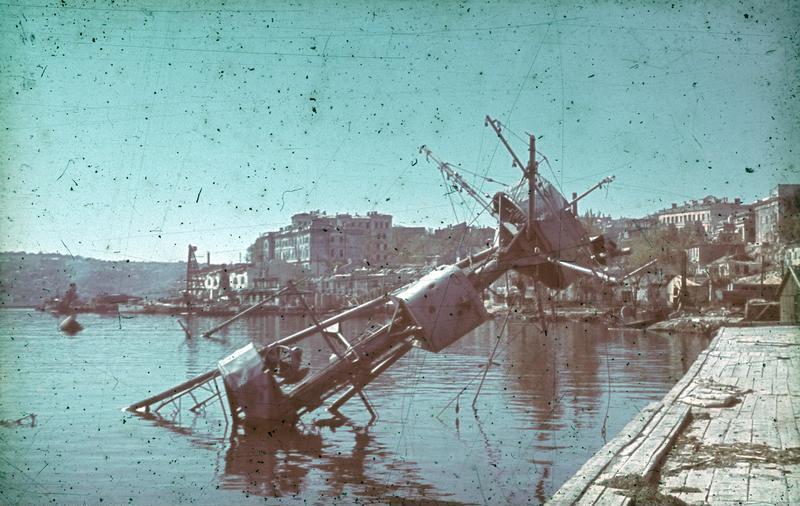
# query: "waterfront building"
225,280
318,243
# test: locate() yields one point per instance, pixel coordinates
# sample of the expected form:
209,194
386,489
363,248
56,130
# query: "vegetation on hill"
28,279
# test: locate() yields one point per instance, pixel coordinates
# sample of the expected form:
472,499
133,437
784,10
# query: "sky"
132,129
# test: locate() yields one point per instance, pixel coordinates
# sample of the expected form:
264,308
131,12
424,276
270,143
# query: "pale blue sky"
273,108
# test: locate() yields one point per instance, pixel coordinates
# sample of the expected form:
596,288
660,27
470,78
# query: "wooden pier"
726,433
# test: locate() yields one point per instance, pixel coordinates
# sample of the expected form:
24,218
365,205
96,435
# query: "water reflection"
270,464
280,463
354,470
541,413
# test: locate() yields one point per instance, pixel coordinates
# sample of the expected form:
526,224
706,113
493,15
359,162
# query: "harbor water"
547,404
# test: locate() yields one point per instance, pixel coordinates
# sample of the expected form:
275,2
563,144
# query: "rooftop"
705,202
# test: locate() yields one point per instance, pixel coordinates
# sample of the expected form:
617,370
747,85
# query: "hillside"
28,279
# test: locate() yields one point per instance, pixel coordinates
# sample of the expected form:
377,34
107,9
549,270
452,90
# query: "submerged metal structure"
538,235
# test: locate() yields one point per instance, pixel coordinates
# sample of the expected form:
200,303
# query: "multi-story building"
707,213
744,227
225,280
317,242
463,240
775,214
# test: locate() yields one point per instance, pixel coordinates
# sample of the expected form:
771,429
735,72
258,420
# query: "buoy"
70,325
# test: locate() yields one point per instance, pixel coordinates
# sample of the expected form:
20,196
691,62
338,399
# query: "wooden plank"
795,404
697,428
740,430
729,484
612,497
643,434
699,479
748,404
672,482
793,484
750,358
717,428
593,492
765,432
763,386
786,424
581,481
767,485
674,422
650,453
781,377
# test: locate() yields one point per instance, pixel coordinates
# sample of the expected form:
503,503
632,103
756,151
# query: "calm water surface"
547,405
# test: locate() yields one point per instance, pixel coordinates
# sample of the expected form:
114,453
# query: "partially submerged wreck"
538,235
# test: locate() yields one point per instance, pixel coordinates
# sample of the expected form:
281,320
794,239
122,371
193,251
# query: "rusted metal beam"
576,199
350,313
175,391
375,372
455,176
190,384
531,175
497,127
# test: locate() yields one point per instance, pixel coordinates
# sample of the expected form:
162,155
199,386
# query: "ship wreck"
538,235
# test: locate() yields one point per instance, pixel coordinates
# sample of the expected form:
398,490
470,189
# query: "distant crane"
194,278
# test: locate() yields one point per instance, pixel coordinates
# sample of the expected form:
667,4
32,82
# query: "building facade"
791,254
404,235
701,255
230,280
318,243
775,215
708,213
